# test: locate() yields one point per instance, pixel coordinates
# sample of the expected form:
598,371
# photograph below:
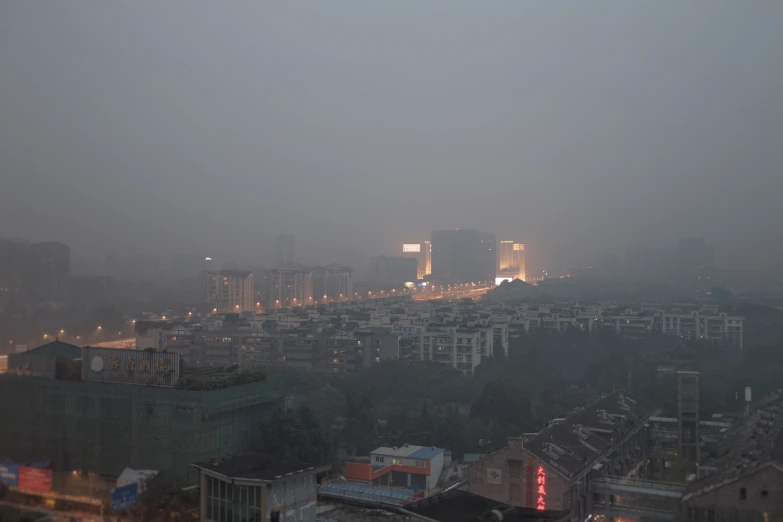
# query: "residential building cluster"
683,320
342,337
289,285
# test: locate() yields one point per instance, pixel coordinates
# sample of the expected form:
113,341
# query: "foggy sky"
207,127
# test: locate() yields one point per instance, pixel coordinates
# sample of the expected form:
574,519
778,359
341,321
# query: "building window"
515,468
743,494
379,459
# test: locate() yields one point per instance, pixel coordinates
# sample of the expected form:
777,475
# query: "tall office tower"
47,271
489,256
463,256
12,262
511,259
688,439
505,254
696,263
422,253
290,286
284,249
231,291
519,260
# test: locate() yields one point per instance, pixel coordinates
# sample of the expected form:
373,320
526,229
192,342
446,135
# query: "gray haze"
202,126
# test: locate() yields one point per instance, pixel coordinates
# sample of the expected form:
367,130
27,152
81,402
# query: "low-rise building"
413,467
252,487
744,479
554,469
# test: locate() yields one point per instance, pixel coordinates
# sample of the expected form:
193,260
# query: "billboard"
142,367
35,479
9,475
124,497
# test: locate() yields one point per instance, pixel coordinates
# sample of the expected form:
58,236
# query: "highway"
125,344
452,292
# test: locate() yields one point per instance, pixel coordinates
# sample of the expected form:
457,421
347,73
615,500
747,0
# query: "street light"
100,328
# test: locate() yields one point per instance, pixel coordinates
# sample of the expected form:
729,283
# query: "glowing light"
100,328
541,489
62,332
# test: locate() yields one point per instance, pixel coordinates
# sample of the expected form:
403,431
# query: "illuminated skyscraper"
505,254
518,259
422,253
511,258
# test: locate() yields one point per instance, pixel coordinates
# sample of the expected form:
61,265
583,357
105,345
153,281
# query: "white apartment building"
230,291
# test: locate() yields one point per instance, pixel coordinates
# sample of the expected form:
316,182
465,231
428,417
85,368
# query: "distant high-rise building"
393,270
511,259
489,256
332,283
47,272
284,249
422,253
463,256
338,283
231,291
519,260
12,262
505,254
696,263
290,285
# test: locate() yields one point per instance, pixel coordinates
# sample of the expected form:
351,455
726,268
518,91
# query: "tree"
298,436
359,431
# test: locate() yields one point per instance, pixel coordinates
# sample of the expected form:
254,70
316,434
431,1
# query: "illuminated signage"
541,489
150,368
411,247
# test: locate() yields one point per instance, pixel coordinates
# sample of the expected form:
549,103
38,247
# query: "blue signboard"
9,475
124,497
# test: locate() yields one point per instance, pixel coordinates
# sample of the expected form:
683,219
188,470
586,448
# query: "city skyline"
577,159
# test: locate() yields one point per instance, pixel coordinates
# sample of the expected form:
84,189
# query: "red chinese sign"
34,479
541,489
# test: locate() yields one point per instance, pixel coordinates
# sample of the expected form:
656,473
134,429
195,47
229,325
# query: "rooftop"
257,466
585,436
409,451
54,349
754,443
461,506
